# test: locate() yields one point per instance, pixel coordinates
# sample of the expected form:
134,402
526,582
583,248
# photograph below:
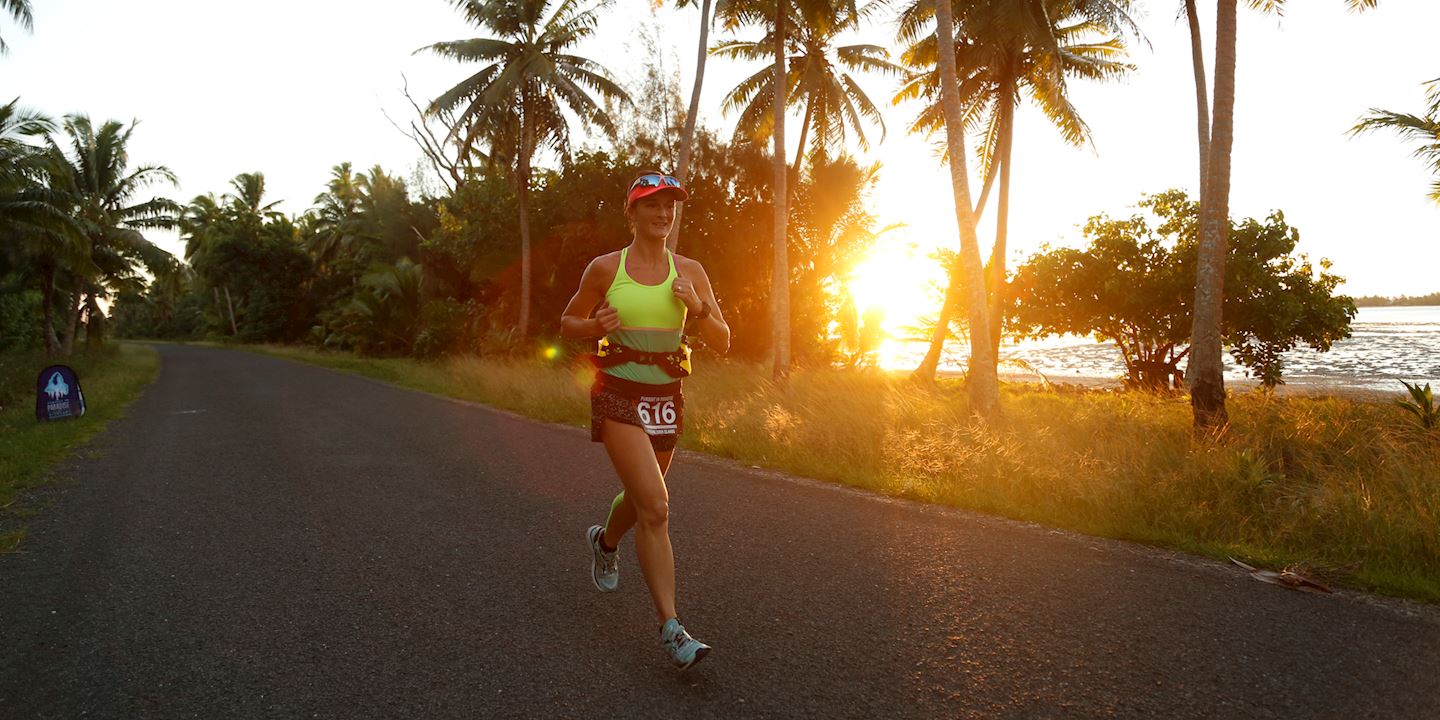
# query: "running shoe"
683,650
605,567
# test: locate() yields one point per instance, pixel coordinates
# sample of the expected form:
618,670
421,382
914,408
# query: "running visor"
653,183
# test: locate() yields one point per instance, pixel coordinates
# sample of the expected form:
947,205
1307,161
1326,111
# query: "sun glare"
899,280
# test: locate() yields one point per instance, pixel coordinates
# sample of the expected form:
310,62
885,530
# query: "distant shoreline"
1430,300
1297,387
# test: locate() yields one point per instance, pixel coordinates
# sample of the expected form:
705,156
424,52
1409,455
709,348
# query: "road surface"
265,539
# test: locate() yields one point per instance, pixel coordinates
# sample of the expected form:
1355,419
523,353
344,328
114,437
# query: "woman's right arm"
576,322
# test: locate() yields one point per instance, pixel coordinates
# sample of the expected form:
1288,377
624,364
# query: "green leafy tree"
263,274
1424,129
529,78
249,258
167,309
210,227
384,316
1132,284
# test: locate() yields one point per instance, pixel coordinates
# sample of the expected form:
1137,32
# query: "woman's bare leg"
639,470
622,516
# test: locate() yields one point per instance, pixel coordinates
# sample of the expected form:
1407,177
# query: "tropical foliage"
88,175
19,10
517,101
1131,286
1003,55
486,266
818,78
1423,129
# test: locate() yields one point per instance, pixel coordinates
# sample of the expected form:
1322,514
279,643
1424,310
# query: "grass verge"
1343,490
111,378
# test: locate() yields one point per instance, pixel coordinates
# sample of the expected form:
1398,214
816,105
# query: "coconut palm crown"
818,77
1424,129
997,72
529,77
20,11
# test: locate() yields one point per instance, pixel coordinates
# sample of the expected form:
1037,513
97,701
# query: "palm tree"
687,140
384,215
818,78
1423,128
36,228
25,206
780,264
204,224
1202,103
334,217
529,77
199,224
20,10
1205,371
249,197
999,63
982,382
92,173
774,14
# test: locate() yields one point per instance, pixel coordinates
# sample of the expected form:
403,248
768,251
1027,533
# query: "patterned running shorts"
659,410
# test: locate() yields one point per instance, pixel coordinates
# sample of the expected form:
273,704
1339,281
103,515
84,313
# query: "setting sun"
900,280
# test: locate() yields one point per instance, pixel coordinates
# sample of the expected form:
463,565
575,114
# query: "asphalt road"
264,539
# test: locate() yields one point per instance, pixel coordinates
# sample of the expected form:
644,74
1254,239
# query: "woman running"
648,299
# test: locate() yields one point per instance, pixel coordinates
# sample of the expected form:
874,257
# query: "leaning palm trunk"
1205,371
804,135
780,272
219,311
1202,103
526,133
687,142
983,386
931,363
1002,224
229,303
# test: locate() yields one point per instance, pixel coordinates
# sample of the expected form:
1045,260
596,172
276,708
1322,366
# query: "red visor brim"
645,192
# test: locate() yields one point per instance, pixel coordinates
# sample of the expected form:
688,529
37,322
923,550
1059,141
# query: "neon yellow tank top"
651,319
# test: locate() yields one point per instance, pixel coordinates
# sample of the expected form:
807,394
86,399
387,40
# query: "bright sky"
292,88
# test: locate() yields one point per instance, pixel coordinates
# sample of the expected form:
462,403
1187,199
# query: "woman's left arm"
693,288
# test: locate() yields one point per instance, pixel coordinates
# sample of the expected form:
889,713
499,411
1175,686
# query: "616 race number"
660,412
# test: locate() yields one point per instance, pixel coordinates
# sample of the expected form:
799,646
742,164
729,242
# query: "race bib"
658,415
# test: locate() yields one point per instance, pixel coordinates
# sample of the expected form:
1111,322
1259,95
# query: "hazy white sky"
293,87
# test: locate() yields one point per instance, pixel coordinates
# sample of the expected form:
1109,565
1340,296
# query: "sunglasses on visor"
649,181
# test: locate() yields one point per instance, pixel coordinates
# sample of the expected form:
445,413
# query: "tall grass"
1346,490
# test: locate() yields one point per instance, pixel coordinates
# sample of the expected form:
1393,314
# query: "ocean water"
1387,344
